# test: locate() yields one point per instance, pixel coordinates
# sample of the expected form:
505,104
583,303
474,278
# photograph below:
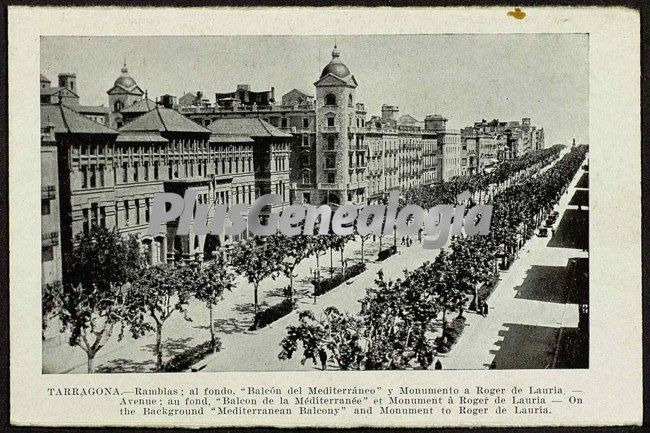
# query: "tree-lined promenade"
391,331
96,304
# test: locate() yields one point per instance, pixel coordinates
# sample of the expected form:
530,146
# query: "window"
330,121
330,99
84,176
285,122
93,177
136,171
146,171
126,212
125,172
305,122
146,209
350,99
117,107
47,253
331,143
155,170
102,216
330,178
137,211
86,221
45,206
305,177
101,175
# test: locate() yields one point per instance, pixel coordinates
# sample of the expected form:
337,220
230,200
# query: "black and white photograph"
329,126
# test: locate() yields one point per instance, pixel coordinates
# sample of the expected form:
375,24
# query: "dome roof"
125,79
335,66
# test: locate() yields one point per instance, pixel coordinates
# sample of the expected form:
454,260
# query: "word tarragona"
301,219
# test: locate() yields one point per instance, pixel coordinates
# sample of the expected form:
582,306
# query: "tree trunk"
331,262
255,308
291,286
159,361
213,341
91,363
444,323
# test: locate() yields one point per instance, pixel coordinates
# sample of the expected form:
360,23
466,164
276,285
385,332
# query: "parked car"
542,232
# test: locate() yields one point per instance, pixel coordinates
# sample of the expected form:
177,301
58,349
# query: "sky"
466,78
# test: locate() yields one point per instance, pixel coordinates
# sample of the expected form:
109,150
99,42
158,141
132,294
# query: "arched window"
117,107
330,99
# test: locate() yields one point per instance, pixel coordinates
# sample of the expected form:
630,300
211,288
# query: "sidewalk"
527,308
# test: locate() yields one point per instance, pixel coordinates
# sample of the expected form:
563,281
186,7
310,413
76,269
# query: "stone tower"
335,120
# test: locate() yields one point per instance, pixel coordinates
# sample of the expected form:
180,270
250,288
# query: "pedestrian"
485,309
552,231
402,241
493,365
438,365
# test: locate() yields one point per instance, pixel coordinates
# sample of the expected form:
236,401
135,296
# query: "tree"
210,281
257,261
90,302
158,292
291,250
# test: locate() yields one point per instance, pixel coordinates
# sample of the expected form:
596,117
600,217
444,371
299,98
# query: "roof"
66,120
91,109
142,106
335,66
137,137
44,79
163,120
230,138
55,90
251,127
303,92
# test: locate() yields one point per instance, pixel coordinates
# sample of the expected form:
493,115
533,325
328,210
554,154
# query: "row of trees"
398,317
108,287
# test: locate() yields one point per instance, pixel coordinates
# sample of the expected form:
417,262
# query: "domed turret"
125,79
335,66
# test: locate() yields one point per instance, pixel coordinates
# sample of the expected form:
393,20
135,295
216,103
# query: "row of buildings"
103,165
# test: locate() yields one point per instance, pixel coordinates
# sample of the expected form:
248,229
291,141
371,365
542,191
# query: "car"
542,232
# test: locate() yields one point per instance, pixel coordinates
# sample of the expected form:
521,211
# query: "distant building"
66,93
244,96
124,93
297,97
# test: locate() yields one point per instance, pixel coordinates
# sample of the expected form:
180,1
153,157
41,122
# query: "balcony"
48,192
330,129
50,239
326,186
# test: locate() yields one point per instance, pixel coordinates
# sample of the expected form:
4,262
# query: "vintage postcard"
336,217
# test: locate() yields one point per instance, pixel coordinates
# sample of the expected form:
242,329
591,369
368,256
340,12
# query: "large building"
97,175
337,155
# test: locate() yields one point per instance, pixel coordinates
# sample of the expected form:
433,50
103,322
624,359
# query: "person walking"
438,365
485,309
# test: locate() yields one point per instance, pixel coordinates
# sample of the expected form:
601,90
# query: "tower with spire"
337,165
124,93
